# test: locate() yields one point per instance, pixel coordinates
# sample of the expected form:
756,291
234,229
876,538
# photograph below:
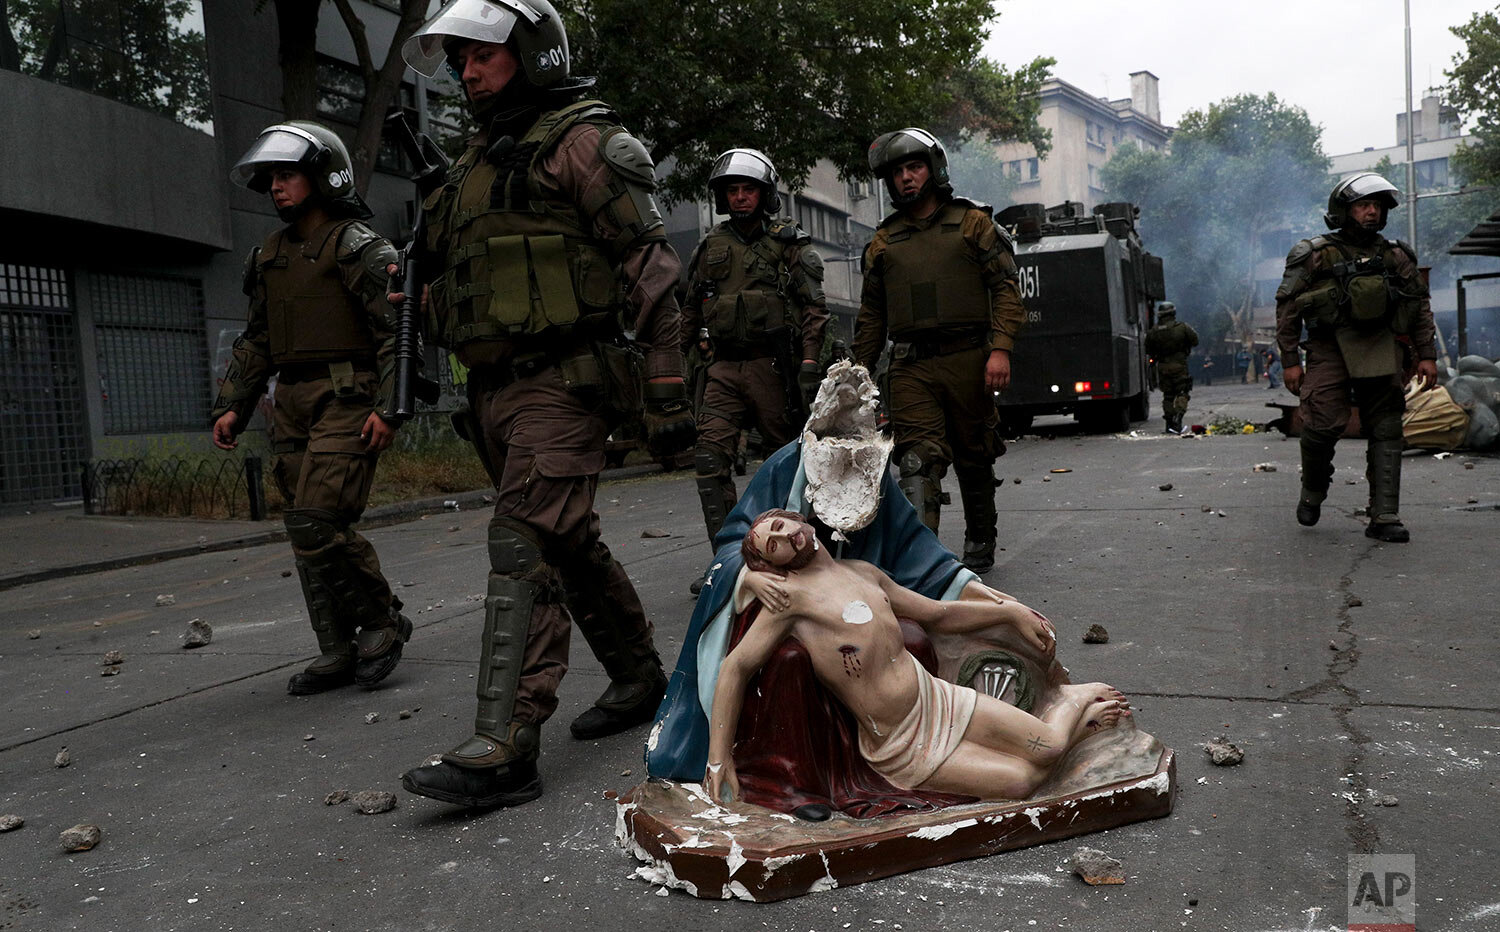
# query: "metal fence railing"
196,487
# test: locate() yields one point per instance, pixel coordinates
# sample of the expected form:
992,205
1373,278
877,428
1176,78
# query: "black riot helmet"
891,149
532,28
1357,188
313,149
744,165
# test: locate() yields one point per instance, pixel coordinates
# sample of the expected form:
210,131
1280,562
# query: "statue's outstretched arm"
768,630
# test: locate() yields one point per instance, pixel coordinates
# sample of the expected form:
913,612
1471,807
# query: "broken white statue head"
844,455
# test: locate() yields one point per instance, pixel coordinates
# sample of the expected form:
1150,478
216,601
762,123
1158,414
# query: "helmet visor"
279,145
743,163
909,143
1370,185
476,20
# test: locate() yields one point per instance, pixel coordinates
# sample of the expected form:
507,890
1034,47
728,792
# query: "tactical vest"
1167,340
1353,287
749,283
312,316
520,262
931,281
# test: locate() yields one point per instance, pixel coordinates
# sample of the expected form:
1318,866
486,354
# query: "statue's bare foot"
1103,707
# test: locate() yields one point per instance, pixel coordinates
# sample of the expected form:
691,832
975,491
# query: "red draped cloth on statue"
797,744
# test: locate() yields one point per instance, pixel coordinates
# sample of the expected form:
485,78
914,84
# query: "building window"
1095,133
145,53
822,223
1013,169
153,352
341,93
1094,177
1033,169
1432,174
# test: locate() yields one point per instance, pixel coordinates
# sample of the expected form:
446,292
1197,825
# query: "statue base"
719,851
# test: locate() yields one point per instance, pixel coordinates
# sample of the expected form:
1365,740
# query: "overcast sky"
1204,51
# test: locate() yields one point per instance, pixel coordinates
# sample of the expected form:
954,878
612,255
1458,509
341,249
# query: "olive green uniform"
761,299
944,289
1169,343
1353,298
319,321
551,248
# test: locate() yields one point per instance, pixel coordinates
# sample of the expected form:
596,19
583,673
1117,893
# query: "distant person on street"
1169,343
320,323
1354,291
1208,369
1273,370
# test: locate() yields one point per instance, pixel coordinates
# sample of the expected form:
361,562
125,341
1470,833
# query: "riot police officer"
755,283
1169,343
550,253
940,281
1354,291
320,323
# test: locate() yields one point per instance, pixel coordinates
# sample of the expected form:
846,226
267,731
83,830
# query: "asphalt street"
1351,672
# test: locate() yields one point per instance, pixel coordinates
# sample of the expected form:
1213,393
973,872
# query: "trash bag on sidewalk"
1484,428
1433,420
1478,365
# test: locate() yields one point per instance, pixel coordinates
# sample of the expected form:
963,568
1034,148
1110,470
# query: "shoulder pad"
1410,253
1301,251
1005,241
787,231
628,156
353,239
247,284
973,205
890,218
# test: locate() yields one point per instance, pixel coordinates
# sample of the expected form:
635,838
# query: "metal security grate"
41,404
153,353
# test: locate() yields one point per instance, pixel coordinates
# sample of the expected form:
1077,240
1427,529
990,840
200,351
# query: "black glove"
809,377
668,419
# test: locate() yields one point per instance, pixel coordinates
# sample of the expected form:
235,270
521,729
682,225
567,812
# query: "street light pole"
1411,165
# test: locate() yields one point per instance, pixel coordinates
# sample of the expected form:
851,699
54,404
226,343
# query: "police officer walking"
940,281
319,321
755,284
1354,291
550,254
1169,343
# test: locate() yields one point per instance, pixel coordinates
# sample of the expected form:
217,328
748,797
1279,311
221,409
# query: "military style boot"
609,614
496,766
335,667
1317,475
976,489
380,647
1383,461
1309,507
712,472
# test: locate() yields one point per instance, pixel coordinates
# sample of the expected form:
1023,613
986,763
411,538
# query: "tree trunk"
381,85
297,40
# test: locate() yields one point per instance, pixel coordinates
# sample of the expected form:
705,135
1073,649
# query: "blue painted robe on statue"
896,541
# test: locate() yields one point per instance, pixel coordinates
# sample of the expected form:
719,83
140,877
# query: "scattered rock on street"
371,802
1222,753
113,657
1096,867
1389,800
80,837
285,573
33,634
372,717
199,633
1353,601
335,798
1468,465
1096,635
62,759
9,823
1165,487
110,671
166,600
1264,467
1016,480
655,532
404,714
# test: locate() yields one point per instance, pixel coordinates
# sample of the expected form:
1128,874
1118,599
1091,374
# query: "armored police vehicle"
1090,290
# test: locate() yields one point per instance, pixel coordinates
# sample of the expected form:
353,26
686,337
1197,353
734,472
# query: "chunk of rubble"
1389,800
166,600
33,634
1222,753
285,573
1095,867
1096,635
10,822
113,670
80,837
844,454
112,658
372,717
373,802
1165,487
1264,467
1353,601
336,798
62,759
199,633
655,532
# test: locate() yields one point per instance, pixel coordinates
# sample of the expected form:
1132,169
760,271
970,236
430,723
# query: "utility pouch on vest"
1369,301
1318,306
517,263
623,369
342,375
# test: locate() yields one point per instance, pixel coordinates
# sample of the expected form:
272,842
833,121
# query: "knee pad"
309,531
1387,427
710,463
924,459
515,549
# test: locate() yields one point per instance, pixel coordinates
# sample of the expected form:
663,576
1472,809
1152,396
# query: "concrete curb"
383,516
